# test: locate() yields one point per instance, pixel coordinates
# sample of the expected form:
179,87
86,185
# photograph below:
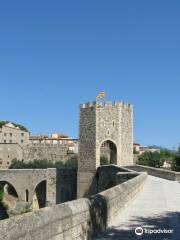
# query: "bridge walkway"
156,207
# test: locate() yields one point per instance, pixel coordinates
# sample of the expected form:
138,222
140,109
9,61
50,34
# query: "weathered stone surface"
47,223
20,208
156,207
51,152
78,219
58,185
157,172
100,123
27,180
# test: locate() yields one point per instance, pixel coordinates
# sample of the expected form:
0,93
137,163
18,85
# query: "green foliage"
178,150
1,195
156,159
4,205
135,152
176,163
2,123
43,164
20,127
152,159
15,164
104,160
167,155
72,162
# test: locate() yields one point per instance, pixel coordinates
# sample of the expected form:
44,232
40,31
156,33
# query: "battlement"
105,104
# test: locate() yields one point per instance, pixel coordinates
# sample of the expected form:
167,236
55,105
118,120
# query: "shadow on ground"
168,221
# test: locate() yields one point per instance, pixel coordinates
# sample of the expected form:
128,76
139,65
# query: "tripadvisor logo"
139,231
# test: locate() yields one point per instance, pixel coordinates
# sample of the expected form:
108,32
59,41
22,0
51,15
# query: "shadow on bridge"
168,221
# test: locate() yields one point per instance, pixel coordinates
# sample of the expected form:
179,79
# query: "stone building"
13,137
55,139
13,133
51,152
103,123
16,143
8,152
138,149
57,147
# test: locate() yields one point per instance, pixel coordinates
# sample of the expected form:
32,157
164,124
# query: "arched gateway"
108,150
103,123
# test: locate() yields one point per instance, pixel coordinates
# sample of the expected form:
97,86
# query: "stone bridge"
25,183
140,201
157,207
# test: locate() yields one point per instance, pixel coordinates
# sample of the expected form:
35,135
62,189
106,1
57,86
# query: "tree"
179,150
176,163
152,159
72,163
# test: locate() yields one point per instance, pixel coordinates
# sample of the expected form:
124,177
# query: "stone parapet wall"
157,172
108,204
78,219
69,220
125,176
104,104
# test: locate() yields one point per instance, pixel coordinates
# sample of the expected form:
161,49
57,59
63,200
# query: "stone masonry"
100,122
28,179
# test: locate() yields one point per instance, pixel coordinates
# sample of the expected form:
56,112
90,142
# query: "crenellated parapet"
106,104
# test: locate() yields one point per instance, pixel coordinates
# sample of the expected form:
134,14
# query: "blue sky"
57,54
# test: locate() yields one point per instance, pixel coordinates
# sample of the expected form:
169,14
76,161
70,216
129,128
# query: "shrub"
152,159
104,160
176,163
1,195
72,162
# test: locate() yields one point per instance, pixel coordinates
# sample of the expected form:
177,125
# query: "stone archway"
108,152
8,188
40,193
8,195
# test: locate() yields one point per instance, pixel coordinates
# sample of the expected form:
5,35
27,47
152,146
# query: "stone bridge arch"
8,187
40,193
25,182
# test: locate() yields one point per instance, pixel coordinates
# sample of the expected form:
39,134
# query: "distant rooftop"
54,136
13,125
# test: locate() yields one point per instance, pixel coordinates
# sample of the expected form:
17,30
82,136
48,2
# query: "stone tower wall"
107,128
100,122
126,136
87,134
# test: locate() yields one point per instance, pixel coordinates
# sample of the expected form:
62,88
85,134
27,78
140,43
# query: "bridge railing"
157,172
78,219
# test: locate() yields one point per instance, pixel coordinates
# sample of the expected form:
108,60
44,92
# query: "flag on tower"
100,95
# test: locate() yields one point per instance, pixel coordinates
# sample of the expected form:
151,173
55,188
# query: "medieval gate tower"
99,123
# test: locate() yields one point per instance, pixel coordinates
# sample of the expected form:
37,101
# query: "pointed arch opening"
108,153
